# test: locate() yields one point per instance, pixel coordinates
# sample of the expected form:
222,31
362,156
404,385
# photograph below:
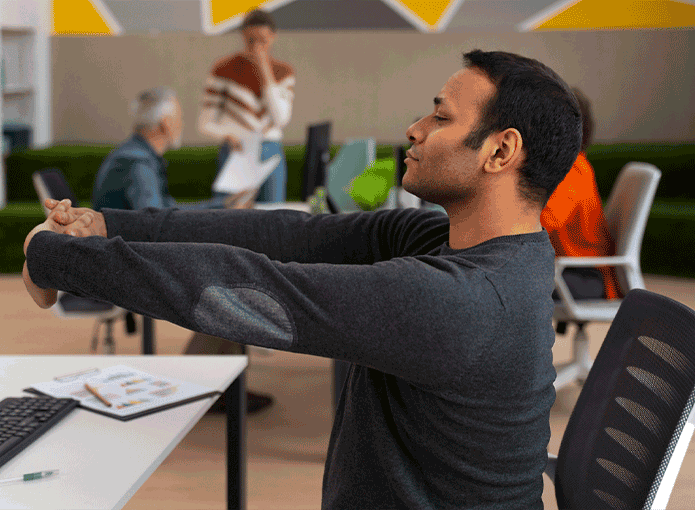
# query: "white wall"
375,83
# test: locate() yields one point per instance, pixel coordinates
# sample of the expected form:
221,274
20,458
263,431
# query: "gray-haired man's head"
158,109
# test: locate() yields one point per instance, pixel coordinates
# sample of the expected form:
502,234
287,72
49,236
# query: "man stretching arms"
445,319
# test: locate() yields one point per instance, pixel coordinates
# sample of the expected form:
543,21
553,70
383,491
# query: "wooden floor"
286,443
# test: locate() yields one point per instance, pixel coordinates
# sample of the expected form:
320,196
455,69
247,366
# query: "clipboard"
132,393
244,170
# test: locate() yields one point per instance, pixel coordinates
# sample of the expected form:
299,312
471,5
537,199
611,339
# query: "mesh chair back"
632,408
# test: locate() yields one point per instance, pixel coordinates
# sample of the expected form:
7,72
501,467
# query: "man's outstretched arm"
360,238
359,313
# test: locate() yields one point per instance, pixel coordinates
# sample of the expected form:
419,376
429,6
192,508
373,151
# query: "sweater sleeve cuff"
142,225
46,260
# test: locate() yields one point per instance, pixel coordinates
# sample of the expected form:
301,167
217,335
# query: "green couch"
669,241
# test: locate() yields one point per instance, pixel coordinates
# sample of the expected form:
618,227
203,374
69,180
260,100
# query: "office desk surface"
271,206
103,461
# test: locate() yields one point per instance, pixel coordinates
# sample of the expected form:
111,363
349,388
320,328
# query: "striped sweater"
235,105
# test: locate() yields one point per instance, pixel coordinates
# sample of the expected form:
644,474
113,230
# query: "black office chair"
51,183
630,428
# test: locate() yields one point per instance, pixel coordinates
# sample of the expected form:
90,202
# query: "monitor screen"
316,157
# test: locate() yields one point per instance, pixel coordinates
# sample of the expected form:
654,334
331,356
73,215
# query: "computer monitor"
316,157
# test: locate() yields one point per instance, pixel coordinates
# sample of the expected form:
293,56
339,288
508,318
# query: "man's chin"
432,196
419,191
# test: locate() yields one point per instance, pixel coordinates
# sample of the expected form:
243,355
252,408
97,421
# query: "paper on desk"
131,391
244,169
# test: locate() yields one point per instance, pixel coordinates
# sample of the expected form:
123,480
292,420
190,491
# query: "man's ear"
165,125
505,151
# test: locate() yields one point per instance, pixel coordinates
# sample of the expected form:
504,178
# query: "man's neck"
475,221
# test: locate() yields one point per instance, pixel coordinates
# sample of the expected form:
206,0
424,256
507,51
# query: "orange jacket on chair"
575,222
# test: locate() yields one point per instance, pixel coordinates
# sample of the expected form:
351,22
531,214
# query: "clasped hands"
63,219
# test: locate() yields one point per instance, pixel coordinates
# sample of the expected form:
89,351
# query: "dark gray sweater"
448,399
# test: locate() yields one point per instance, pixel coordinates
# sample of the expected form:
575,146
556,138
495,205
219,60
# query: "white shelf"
17,90
16,31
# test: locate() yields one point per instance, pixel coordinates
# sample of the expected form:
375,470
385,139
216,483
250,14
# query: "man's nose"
414,133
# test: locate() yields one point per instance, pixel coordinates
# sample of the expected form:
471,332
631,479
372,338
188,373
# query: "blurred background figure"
134,174
575,222
248,99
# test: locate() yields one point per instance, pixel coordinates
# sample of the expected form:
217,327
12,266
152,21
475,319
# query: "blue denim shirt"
134,176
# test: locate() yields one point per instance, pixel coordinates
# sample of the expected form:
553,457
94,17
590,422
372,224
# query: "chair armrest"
631,267
551,466
563,291
564,262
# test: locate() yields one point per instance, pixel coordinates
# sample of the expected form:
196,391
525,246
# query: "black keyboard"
24,419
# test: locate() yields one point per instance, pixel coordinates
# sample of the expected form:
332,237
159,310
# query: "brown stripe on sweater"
246,107
239,69
238,119
216,92
213,104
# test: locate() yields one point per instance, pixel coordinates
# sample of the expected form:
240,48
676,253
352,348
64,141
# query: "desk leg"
147,335
235,404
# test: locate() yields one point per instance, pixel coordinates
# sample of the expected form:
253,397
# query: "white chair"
629,431
626,212
51,183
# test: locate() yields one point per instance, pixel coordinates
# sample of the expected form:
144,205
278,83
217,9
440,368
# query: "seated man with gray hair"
133,176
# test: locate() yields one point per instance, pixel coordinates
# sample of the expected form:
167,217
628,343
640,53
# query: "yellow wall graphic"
221,15
622,14
82,17
223,10
429,11
427,15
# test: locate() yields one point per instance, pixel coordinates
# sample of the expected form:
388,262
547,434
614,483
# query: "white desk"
103,461
271,206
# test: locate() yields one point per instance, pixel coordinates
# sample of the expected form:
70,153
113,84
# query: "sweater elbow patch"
244,315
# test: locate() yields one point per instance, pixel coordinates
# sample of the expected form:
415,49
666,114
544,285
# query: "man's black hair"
532,98
587,118
258,17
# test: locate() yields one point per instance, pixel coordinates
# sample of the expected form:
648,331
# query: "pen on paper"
31,476
94,392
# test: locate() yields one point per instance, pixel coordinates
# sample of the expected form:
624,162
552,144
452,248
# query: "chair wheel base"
571,372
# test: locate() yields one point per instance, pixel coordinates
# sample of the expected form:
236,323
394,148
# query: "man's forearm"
282,235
